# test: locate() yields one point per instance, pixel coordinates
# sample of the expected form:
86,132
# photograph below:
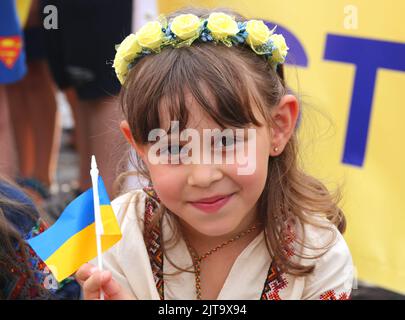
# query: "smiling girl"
203,230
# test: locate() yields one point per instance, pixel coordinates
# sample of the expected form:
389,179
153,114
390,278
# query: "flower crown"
184,29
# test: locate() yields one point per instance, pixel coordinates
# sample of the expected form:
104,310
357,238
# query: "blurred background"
346,63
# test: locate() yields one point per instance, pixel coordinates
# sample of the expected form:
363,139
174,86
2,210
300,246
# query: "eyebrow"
169,136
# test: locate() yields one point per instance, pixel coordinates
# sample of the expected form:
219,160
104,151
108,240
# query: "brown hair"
237,79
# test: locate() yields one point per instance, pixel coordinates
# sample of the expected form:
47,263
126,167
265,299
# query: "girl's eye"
170,150
176,154
226,142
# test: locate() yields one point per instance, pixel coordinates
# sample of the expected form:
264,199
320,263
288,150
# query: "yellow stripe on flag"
74,248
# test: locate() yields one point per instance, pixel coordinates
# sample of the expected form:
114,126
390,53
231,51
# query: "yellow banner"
347,64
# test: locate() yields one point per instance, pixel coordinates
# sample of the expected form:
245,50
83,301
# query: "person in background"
23,275
80,53
12,69
33,111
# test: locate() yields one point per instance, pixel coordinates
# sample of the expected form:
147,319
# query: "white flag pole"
97,215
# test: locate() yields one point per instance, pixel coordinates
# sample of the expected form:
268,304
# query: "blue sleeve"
12,55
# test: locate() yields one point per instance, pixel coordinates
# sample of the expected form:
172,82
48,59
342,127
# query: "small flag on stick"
86,228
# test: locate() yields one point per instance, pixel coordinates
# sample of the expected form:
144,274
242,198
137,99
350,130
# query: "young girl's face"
219,199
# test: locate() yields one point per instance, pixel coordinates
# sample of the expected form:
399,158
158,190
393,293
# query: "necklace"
198,259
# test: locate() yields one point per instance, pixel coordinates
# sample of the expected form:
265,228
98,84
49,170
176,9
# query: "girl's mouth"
212,204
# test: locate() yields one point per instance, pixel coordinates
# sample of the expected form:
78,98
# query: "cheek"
168,183
253,183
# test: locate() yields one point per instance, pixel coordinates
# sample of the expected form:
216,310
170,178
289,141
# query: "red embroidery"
289,239
275,282
152,241
331,295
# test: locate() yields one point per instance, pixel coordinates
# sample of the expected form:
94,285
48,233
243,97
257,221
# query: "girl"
22,274
209,230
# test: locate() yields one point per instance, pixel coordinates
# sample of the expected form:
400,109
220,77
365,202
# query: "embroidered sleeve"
67,289
332,278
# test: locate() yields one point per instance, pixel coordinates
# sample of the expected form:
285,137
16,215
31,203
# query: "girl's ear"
126,131
285,116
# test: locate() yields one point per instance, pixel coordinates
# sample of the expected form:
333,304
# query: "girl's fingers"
93,281
84,272
92,286
111,287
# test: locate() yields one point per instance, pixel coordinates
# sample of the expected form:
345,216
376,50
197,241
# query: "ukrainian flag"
71,241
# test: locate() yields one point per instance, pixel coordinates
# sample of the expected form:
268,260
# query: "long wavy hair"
238,79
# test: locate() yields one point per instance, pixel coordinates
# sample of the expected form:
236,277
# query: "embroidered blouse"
138,264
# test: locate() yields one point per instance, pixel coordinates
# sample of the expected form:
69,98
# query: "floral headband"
184,29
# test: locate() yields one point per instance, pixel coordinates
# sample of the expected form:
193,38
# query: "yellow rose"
120,65
126,52
121,68
186,26
129,48
121,78
258,33
280,48
150,35
222,25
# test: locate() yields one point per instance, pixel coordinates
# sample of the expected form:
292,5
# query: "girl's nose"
203,175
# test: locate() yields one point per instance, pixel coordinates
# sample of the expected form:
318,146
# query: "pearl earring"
275,149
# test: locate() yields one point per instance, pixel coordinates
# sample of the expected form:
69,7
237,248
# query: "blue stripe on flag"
78,215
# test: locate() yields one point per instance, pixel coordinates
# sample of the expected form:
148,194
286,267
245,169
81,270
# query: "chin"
216,229
216,224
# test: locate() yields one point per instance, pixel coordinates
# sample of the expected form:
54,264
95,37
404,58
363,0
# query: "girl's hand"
93,281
